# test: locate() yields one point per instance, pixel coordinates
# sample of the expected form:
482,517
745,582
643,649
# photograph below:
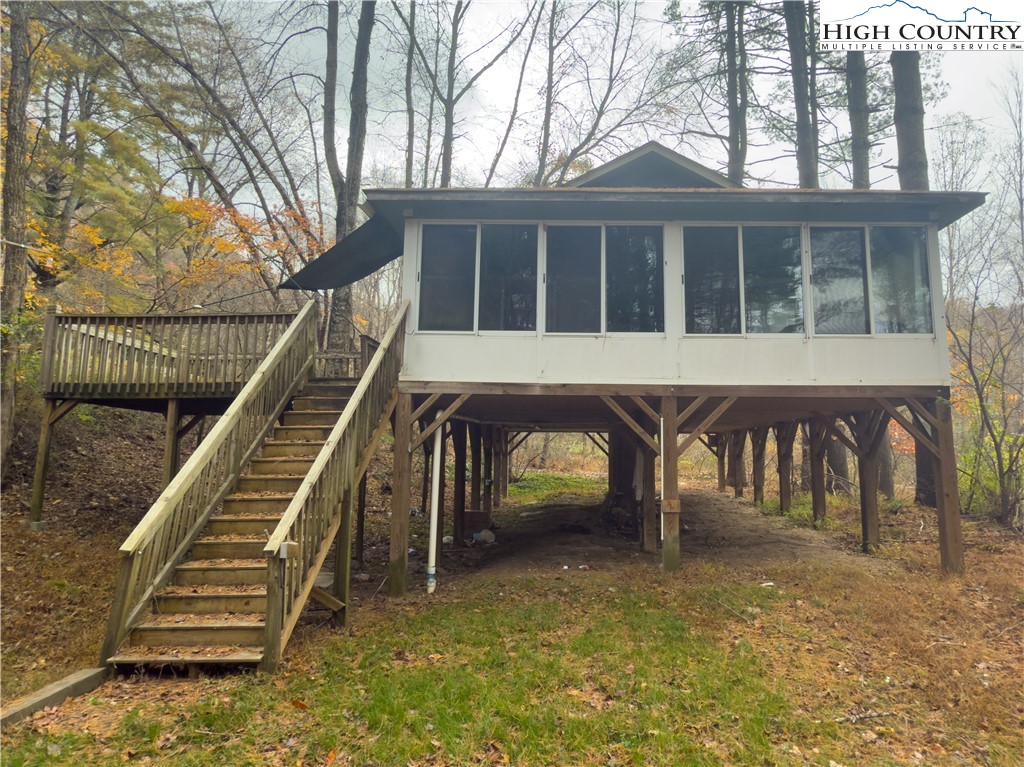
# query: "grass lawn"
823,658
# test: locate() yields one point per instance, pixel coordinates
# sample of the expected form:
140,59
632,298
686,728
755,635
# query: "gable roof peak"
655,166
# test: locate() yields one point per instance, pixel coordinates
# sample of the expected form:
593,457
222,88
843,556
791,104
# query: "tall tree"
452,85
857,106
908,117
346,186
16,171
737,89
795,14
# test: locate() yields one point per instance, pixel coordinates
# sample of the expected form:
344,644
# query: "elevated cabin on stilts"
651,303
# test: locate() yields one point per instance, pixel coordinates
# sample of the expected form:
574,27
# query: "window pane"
574,279
635,277
508,277
772,279
899,280
447,277
711,267
839,280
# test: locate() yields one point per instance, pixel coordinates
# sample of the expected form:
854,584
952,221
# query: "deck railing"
299,545
164,535
335,365
148,355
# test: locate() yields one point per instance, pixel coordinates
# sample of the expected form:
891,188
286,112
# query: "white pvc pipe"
437,462
661,458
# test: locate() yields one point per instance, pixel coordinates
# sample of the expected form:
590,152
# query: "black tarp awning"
363,252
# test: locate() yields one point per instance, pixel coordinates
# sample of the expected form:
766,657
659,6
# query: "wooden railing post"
49,348
276,570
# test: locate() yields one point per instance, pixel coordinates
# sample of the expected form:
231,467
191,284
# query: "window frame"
931,252
603,332
475,330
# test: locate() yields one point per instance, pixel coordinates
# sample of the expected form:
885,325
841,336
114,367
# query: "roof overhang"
717,205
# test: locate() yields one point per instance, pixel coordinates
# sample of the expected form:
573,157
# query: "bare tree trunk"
12,293
908,116
549,99
857,105
736,90
448,140
358,109
886,480
346,187
838,469
410,111
806,142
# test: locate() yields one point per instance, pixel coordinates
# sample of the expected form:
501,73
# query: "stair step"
221,572
228,548
273,448
187,656
281,465
316,434
269,483
322,388
319,403
311,417
255,505
238,524
212,602
214,629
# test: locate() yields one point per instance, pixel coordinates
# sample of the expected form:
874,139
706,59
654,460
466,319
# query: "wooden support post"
343,558
649,510
622,459
172,445
785,436
951,542
670,505
506,455
496,466
758,443
721,443
361,520
475,450
868,430
737,443
42,465
819,436
398,564
459,489
487,499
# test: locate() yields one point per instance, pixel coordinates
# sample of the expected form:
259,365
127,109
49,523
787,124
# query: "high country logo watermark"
923,25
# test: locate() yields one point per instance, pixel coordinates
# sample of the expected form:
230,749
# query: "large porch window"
839,279
623,265
573,302
508,277
507,290
711,267
448,277
773,279
635,278
899,279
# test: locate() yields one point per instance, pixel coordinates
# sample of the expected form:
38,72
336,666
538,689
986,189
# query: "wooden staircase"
213,611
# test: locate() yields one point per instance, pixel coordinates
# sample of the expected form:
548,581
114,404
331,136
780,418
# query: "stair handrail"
299,544
163,536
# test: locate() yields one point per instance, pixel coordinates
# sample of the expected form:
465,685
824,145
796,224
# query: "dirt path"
570,533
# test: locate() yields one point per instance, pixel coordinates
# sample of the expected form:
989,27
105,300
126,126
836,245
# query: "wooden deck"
185,366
